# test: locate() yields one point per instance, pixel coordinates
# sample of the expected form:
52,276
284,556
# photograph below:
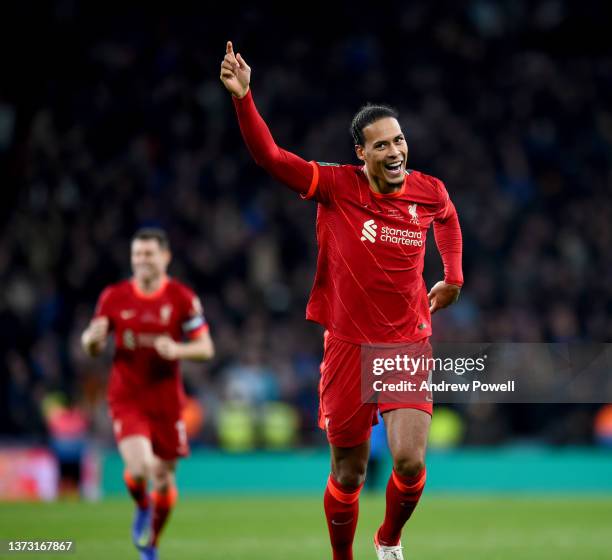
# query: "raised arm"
292,170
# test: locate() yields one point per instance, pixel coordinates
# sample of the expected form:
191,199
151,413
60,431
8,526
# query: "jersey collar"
395,194
149,295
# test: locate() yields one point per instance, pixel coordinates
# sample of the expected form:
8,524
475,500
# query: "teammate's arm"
286,167
93,339
447,233
199,345
200,348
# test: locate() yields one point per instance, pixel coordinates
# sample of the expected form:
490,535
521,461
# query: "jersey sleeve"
104,306
445,206
193,321
286,167
447,233
325,176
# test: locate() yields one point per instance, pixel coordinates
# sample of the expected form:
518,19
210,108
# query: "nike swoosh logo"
334,522
128,314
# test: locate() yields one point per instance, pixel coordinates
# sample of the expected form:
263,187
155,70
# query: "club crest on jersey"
414,217
164,313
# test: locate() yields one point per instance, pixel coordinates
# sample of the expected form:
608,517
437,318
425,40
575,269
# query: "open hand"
235,72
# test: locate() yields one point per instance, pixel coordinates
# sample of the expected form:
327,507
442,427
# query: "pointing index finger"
229,49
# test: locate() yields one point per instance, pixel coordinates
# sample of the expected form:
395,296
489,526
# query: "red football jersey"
369,285
139,376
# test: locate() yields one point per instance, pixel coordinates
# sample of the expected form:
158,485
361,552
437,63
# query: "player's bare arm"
93,339
235,72
442,295
202,348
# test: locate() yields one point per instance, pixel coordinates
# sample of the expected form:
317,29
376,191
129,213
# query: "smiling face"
385,153
149,260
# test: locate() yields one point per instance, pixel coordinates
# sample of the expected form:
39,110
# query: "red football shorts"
167,436
344,416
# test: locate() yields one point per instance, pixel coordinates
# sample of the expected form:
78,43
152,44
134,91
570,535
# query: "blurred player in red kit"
372,221
157,321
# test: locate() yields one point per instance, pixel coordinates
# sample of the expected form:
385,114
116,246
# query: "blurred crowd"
110,121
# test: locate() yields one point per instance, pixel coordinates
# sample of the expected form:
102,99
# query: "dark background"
113,117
